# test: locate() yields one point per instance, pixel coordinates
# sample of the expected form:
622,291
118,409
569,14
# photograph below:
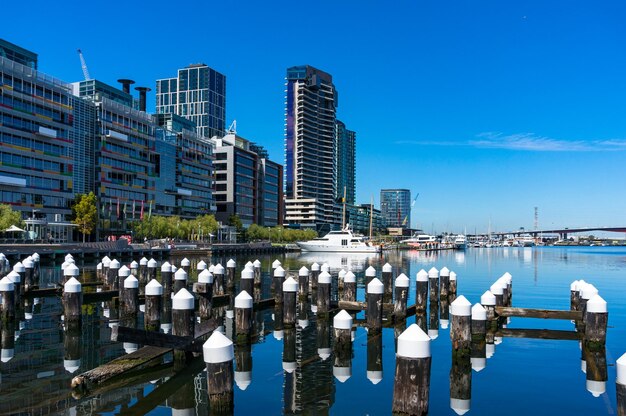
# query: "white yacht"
525,240
339,241
419,239
460,242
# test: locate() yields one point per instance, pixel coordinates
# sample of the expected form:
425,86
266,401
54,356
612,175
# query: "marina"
300,368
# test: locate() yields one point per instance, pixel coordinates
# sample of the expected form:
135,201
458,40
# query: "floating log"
539,334
538,313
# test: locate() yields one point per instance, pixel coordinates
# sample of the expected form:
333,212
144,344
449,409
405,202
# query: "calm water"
523,376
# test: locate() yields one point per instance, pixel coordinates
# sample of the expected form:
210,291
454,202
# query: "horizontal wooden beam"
538,334
539,313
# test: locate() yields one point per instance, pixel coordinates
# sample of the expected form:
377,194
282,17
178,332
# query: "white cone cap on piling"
460,406
28,263
342,320
218,349
72,286
249,265
596,388
205,276
342,274
402,281
387,268
303,271
243,379
243,300
6,285
573,287
413,343
247,273
71,270
6,354
35,256
324,278
589,291
211,268
444,271
174,268
183,300
375,377
279,272
99,266
152,263
433,333
370,272
488,299
185,262
445,323
421,276
620,369
143,261
106,261
496,289
115,264
433,273
325,267
257,263
180,275
490,349
63,266
452,276
231,263
597,305
68,256
19,267
315,267
166,267
131,282
2,256
134,265
342,374
154,288
276,263
278,334
349,277
324,353
303,323
375,287
479,313
15,277
71,365
461,307
508,276
123,271
201,265
478,364
290,285
290,366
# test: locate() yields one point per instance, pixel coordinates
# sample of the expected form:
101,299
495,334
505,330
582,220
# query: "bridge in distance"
562,232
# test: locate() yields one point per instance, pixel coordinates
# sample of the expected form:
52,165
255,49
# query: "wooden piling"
349,287
180,280
303,283
143,272
247,280
129,297
387,279
152,269
113,280
315,272
290,293
596,318
106,262
185,264
99,273
323,292
277,284
340,278
479,322
183,320
166,278
412,381
370,274
402,292
18,287
256,266
219,284
29,271
620,385
375,291
204,290
154,295
243,316
218,355
461,326
444,282
342,327
72,302
134,269
498,291
7,293
20,270
433,283
421,291
573,296
453,286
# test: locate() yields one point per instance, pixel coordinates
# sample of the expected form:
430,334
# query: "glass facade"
346,163
18,54
395,207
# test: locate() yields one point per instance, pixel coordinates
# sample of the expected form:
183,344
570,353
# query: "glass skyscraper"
346,163
198,93
395,207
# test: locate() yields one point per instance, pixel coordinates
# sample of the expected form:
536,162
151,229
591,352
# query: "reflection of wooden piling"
412,382
72,302
315,272
7,340
323,292
303,283
243,369
433,319
620,384
323,337
433,283
374,357
444,283
290,293
7,292
180,280
461,326
461,385
596,318
247,280
349,287
421,291
289,350
375,290
152,316
218,355
596,375
71,349
402,292
243,316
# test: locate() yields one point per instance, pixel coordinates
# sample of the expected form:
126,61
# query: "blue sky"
486,108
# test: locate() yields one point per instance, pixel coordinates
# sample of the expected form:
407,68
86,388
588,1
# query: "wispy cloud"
529,142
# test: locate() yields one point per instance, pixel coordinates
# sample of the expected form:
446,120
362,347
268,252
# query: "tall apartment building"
395,207
198,93
18,54
247,183
346,162
310,147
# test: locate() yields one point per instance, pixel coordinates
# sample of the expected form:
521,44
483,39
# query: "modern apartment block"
247,183
346,163
18,54
310,147
395,207
198,93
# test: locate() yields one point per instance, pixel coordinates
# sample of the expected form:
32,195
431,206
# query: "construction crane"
83,65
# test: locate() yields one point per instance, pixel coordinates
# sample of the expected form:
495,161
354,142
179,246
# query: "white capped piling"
387,279
596,318
29,272
508,278
421,291
16,279
99,273
154,296
502,281
106,262
256,266
218,355
315,272
370,273
152,269
498,291
243,316
587,292
72,301
402,292
113,280
323,292
204,290
488,300
340,277
247,280
461,325
325,267
183,320
180,280
290,293
275,264
230,273
342,327
201,265
166,278
277,284
218,279
3,264
349,287
7,294
375,291
185,264
479,322
573,296
303,283
412,382
433,282
37,267
21,270
620,385
444,282
134,268
143,271
129,299
453,285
